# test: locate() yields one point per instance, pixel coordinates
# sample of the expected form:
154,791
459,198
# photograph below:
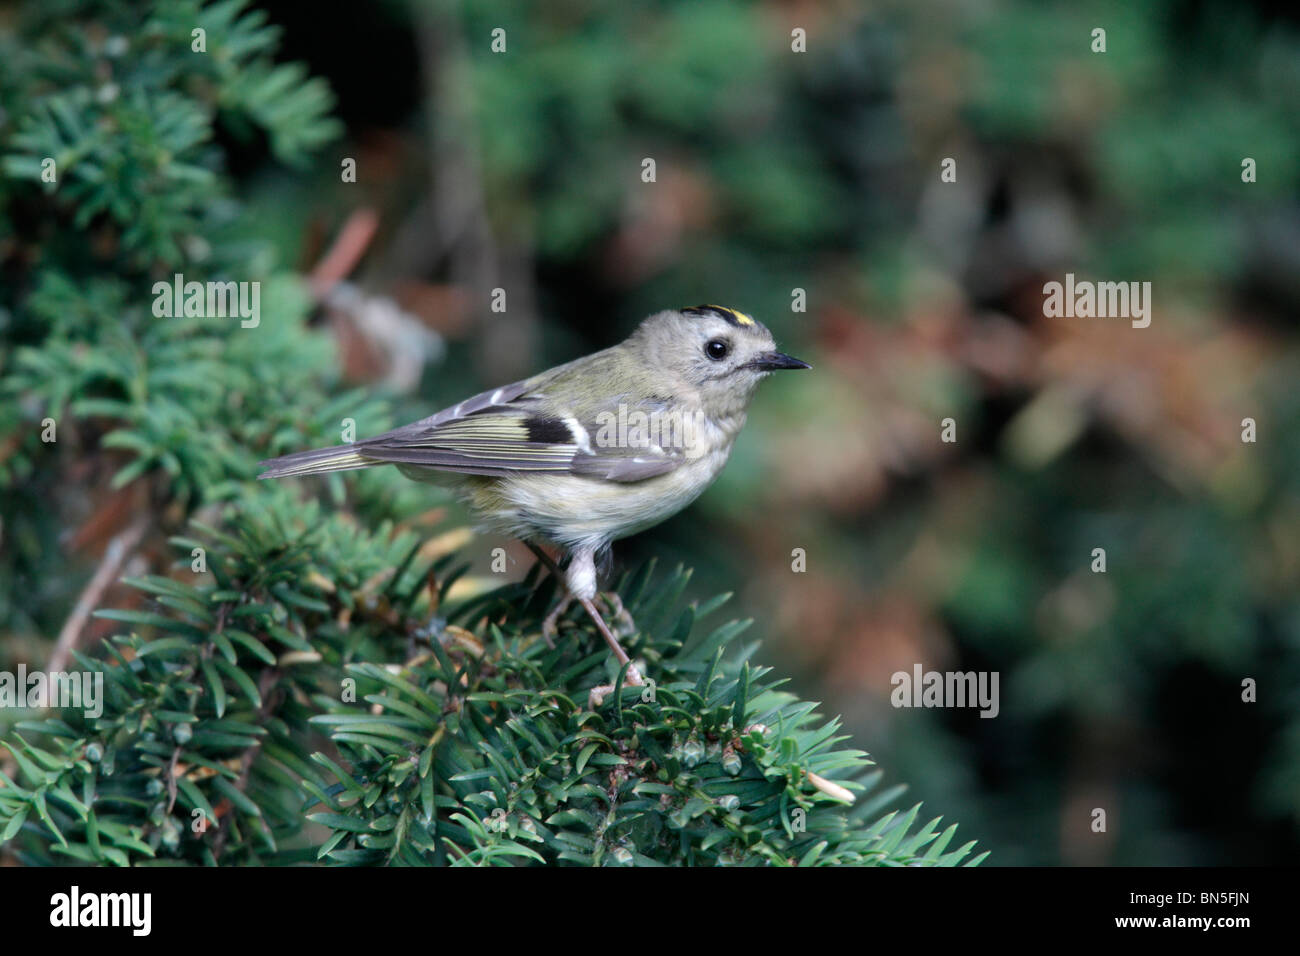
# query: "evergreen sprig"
322,675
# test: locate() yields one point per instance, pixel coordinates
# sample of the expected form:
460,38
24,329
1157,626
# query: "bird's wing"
518,428
521,435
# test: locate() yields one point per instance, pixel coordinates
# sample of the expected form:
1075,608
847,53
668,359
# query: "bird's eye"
716,349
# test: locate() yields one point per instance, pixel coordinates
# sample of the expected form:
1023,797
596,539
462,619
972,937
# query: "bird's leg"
633,675
551,623
545,559
580,578
596,696
580,582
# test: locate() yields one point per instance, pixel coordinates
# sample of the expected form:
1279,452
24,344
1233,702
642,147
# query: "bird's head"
721,353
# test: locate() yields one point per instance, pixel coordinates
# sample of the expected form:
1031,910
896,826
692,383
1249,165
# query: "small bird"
590,451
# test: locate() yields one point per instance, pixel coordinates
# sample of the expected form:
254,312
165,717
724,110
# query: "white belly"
574,511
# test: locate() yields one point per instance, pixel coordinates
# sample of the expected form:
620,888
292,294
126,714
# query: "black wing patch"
549,431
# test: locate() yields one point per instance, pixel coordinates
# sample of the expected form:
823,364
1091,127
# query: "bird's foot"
551,623
621,617
631,676
596,696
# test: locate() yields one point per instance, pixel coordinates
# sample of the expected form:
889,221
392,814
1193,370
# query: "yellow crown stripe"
740,317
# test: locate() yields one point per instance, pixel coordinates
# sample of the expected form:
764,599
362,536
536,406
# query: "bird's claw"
551,624
623,620
596,696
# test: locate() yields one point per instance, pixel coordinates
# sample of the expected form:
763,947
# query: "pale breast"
572,510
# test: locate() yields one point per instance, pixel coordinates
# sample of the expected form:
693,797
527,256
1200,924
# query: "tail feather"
318,461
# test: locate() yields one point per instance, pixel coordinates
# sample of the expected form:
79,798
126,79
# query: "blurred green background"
785,177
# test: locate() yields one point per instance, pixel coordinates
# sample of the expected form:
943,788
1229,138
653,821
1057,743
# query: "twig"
342,257
119,549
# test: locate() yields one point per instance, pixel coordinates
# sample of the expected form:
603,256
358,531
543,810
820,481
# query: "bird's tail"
318,461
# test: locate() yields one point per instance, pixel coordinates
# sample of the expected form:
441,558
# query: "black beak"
771,361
